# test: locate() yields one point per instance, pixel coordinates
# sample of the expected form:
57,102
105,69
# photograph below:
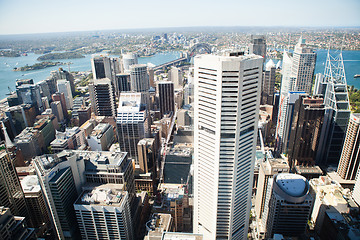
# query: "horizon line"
183,27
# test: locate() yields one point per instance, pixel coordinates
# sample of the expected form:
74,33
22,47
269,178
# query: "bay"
8,76
351,64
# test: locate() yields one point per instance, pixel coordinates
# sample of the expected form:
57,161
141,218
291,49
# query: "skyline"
45,17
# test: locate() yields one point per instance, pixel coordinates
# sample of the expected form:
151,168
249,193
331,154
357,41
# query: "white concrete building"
304,59
227,98
104,213
64,87
101,137
128,60
356,190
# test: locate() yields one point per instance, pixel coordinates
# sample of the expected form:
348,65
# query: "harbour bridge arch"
199,46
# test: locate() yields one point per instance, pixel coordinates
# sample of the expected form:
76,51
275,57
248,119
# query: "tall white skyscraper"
304,59
227,98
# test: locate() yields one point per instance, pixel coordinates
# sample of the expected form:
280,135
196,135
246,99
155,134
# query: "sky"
42,16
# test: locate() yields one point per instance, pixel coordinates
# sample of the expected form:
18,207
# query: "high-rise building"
283,128
132,123
258,45
303,66
30,94
62,74
128,60
57,110
356,190
35,201
102,97
122,83
61,177
101,137
147,155
297,76
64,87
175,75
350,155
14,227
306,126
288,210
268,84
11,193
104,213
267,170
139,78
60,96
166,98
226,106
337,110
105,67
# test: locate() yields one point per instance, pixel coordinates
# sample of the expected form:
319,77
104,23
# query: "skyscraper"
356,190
128,60
337,110
132,123
289,207
166,97
139,78
350,155
11,193
64,87
61,178
268,84
297,76
283,128
226,106
105,67
267,170
102,97
122,83
258,45
303,66
305,131
62,74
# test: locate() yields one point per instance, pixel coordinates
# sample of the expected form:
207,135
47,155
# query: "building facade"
289,207
102,97
226,107
132,123
166,98
104,213
305,131
350,155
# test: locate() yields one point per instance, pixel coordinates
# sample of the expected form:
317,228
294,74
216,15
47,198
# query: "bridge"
192,52
172,63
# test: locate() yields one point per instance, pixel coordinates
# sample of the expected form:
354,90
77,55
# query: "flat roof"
102,195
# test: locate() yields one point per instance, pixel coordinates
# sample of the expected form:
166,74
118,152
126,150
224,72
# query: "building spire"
8,142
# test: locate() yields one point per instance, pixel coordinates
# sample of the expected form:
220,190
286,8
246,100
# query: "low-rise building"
157,225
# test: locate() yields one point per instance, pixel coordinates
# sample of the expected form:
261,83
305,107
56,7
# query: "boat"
357,76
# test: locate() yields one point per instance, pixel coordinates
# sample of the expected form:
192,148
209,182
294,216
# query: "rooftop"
159,223
293,184
181,236
30,184
100,129
102,195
